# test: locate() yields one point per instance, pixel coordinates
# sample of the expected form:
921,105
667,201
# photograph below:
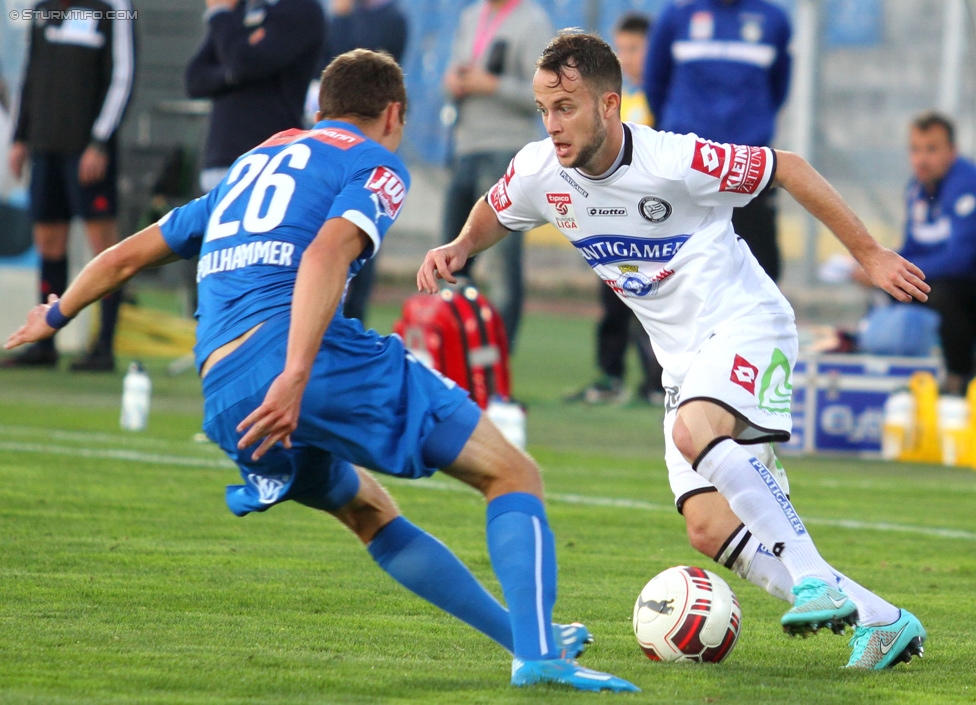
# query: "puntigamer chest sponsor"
608,249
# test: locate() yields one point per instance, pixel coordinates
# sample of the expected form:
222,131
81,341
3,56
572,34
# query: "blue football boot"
571,639
563,671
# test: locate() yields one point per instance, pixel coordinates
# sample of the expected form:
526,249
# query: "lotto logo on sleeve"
709,158
746,170
499,195
388,191
744,373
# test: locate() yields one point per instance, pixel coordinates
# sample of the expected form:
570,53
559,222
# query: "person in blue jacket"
721,69
379,25
302,398
940,237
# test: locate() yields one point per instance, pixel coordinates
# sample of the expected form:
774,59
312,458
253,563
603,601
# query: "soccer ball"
687,614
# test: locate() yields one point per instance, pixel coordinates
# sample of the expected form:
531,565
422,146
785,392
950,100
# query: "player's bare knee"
683,440
369,511
701,536
710,522
493,466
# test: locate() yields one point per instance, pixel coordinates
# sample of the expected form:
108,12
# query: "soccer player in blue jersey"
298,396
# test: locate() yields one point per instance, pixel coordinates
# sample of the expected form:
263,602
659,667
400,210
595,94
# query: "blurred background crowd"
861,71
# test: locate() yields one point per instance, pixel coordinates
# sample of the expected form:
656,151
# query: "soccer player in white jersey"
651,212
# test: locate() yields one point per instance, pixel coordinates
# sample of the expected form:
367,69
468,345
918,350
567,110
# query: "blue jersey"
250,232
940,231
719,69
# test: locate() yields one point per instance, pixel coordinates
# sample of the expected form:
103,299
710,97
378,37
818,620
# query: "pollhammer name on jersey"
272,252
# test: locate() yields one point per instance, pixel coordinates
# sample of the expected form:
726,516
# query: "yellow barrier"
924,444
921,427
149,333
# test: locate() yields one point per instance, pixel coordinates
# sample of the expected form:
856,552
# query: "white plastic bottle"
136,390
953,427
509,417
899,421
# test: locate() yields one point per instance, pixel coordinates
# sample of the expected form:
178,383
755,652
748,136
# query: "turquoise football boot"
877,648
818,605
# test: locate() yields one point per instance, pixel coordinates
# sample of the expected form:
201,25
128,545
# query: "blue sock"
523,554
426,567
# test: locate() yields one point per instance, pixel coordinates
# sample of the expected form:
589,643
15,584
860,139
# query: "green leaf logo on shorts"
776,388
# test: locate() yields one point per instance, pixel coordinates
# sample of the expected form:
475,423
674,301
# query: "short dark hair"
929,119
361,83
587,54
633,23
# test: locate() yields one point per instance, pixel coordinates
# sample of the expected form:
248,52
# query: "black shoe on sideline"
36,356
94,361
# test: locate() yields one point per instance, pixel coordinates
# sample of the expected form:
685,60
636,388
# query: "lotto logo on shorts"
744,373
709,158
388,191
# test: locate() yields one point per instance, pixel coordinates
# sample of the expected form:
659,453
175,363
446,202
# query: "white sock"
745,556
872,611
756,498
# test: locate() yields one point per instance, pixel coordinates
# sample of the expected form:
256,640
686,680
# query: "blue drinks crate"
838,400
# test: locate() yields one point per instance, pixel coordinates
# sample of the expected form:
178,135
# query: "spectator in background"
721,69
255,64
490,81
940,238
379,25
76,88
619,326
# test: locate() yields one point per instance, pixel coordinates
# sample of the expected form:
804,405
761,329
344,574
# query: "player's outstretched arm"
480,231
886,269
319,285
103,275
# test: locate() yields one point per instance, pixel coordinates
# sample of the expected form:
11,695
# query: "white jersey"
657,230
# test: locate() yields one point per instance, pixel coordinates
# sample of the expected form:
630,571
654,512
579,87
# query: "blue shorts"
367,403
57,196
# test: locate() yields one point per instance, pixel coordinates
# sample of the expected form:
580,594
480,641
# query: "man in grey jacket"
490,82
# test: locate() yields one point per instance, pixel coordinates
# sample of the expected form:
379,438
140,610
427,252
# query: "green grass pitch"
124,579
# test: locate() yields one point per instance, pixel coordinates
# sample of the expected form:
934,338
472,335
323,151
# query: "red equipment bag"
460,334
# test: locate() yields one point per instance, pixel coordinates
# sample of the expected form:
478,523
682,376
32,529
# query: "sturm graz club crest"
654,209
638,284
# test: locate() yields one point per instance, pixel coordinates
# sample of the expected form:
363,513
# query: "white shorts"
747,368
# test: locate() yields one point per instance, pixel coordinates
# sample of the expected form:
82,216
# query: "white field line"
114,454
583,500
